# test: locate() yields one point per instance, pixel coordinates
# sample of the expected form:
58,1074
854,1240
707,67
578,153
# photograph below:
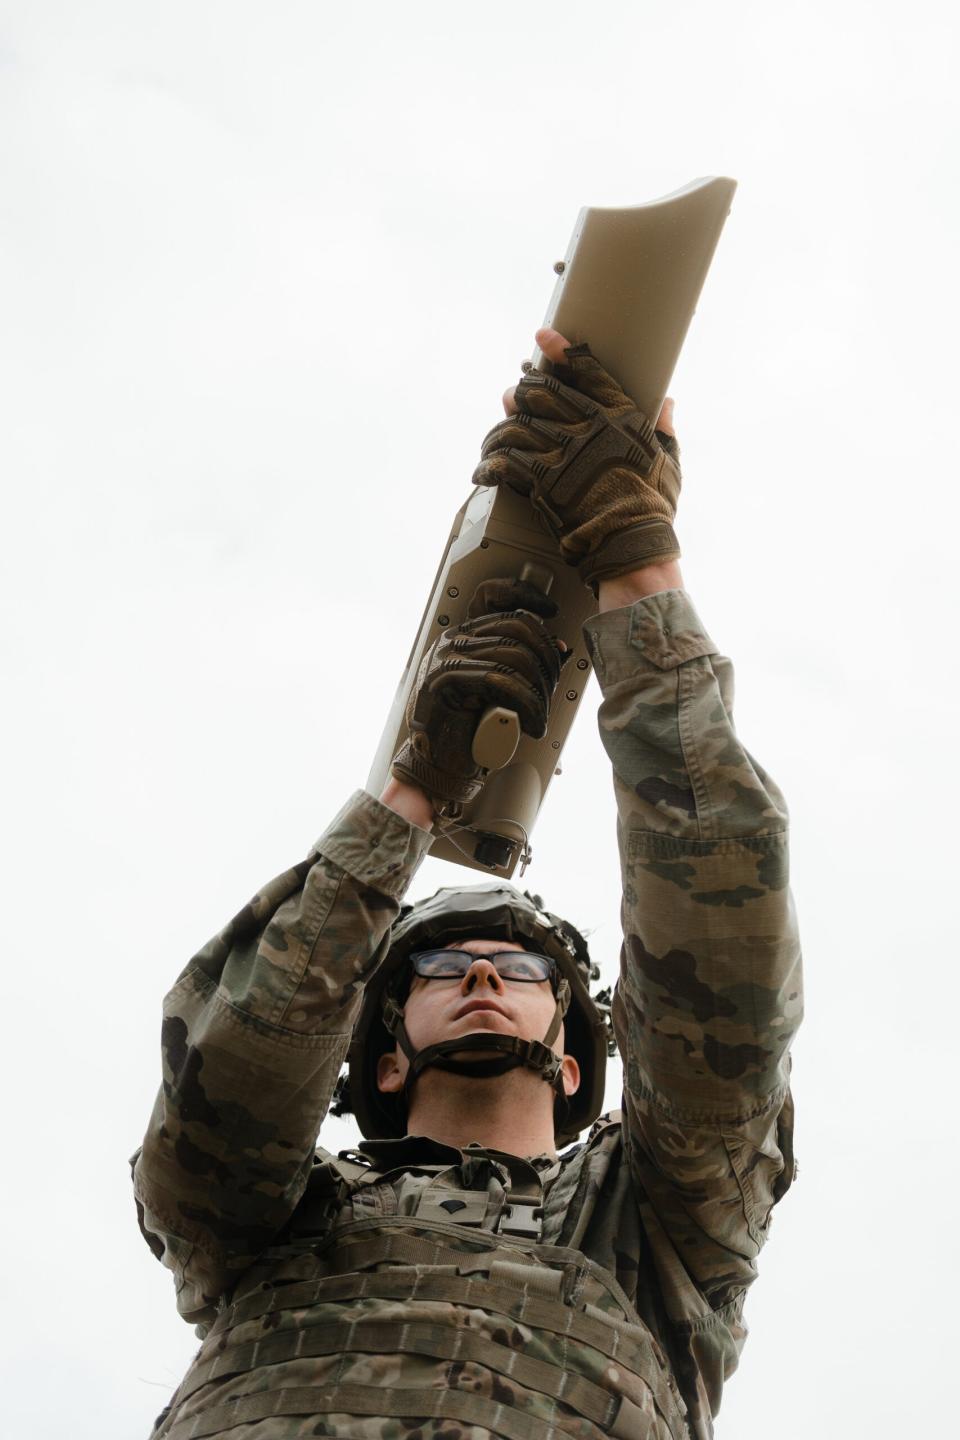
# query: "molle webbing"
449,1266
628,1348
499,1419
541,1333
399,1337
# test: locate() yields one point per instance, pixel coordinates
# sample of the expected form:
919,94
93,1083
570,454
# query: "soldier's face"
479,1000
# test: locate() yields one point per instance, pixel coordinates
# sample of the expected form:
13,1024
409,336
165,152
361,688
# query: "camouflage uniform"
419,1291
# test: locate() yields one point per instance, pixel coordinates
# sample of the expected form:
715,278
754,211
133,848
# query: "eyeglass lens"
509,964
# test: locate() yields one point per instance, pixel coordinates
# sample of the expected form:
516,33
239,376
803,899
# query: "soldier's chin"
493,1024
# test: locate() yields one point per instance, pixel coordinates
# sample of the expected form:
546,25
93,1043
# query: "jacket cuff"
663,629
374,845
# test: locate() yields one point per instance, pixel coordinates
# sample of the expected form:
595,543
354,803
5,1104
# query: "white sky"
265,272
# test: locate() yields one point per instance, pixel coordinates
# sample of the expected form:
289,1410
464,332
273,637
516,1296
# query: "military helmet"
481,912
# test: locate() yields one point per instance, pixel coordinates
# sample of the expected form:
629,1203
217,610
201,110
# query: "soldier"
456,1277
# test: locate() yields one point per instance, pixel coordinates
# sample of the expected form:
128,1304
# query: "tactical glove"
605,482
502,654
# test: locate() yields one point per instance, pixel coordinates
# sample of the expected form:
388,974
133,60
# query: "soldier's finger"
524,432
545,397
582,370
552,343
482,674
502,596
665,418
504,469
539,669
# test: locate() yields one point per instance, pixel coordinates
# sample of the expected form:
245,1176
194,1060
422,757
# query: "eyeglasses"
509,964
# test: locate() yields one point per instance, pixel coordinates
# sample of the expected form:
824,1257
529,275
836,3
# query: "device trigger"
496,738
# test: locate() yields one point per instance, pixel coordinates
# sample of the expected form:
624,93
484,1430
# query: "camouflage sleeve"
254,1034
709,992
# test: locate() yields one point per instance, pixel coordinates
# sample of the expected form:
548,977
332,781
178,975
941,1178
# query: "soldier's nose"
482,972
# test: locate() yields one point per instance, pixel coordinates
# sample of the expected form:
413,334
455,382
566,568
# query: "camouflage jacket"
658,1219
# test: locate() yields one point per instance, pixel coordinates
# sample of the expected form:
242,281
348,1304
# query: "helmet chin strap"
534,1054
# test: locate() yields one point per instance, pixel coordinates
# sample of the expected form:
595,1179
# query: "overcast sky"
266,270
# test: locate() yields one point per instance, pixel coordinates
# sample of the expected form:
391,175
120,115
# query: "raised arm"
254,1034
709,992
257,1026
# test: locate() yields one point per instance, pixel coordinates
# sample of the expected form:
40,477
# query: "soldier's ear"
571,1075
389,1077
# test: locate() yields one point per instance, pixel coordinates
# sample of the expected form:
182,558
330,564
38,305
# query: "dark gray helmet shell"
494,912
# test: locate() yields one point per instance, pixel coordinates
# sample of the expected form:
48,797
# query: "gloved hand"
502,654
605,482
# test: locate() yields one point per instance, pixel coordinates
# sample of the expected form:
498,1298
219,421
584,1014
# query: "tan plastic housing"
629,285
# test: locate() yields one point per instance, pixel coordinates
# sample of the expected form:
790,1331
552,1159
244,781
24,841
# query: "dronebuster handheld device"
629,286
